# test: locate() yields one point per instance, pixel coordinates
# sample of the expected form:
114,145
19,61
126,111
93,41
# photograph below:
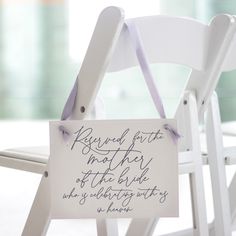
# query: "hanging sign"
113,169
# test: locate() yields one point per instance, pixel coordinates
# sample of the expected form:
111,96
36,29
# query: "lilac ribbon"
68,109
70,103
142,59
143,62
137,43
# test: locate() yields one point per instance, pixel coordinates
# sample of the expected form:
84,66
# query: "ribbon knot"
65,133
173,133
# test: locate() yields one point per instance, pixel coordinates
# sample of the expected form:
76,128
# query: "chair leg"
39,216
200,226
142,227
232,197
222,220
107,227
145,227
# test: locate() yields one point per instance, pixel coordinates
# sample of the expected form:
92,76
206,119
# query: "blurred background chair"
219,153
203,84
221,148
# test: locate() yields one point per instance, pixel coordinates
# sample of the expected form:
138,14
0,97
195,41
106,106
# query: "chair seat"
229,128
33,159
38,157
35,154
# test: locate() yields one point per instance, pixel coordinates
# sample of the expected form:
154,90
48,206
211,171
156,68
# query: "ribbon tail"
173,133
65,133
70,103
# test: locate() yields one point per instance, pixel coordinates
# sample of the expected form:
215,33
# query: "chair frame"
193,104
202,96
218,157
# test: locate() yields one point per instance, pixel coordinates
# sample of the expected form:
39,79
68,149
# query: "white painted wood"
97,57
229,63
224,199
229,128
229,154
18,159
186,168
222,220
19,164
187,232
232,197
146,227
142,227
216,51
183,120
221,57
196,178
39,216
38,154
32,159
107,227
188,48
87,92
196,45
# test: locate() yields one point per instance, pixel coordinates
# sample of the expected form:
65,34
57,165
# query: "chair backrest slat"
230,60
166,40
183,41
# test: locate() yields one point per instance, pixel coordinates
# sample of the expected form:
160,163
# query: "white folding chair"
201,84
166,40
218,156
224,199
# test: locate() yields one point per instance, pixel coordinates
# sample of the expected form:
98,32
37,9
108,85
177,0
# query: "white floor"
18,188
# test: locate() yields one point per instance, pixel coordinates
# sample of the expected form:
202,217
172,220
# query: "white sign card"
113,169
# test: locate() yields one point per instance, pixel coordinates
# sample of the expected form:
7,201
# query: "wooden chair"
166,40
